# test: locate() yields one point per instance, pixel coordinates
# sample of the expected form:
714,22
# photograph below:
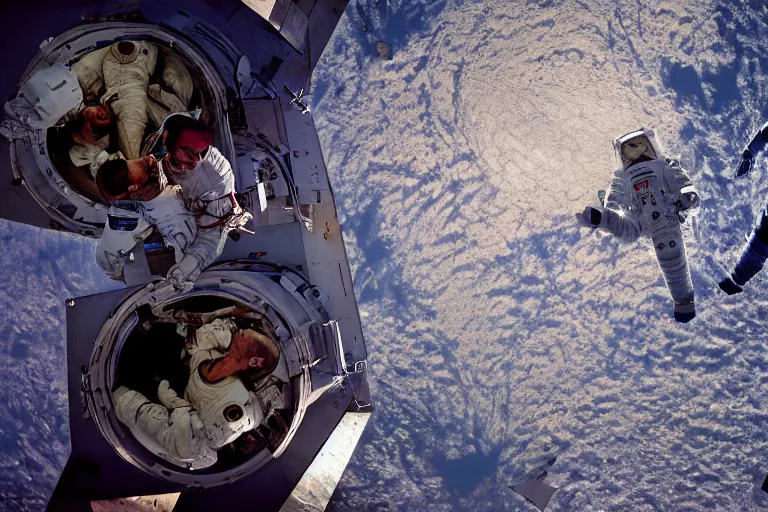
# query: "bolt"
71,303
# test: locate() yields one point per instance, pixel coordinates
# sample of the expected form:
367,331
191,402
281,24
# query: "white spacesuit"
130,222
650,195
127,68
173,424
175,92
211,415
90,74
208,191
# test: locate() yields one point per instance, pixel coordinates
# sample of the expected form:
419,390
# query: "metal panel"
294,28
94,470
316,487
295,20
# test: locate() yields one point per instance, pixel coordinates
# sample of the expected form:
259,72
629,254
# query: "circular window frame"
249,289
30,154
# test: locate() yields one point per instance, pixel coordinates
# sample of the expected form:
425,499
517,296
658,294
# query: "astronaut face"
99,116
637,149
187,150
633,149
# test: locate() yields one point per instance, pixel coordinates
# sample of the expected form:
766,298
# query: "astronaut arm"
169,398
682,190
181,432
620,223
206,247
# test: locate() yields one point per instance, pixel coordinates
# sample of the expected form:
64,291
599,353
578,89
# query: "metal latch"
358,367
85,389
296,100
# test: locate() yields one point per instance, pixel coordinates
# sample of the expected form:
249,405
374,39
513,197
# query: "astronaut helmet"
236,412
636,147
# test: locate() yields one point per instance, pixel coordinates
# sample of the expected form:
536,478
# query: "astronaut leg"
177,77
180,432
132,117
161,104
754,254
673,262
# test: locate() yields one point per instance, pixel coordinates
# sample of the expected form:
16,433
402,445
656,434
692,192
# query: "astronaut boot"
684,313
729,287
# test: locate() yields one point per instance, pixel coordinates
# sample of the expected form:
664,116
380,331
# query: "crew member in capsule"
650,195
217,407
182,157
139,185
755,251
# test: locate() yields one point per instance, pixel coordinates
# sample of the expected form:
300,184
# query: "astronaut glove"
183,274
687,201
589,218
746,164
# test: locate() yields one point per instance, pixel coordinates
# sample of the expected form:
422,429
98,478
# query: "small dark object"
729,287
534,490
684,317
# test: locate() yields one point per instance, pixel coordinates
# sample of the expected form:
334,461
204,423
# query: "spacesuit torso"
211,414
208,192
127,68
130,222
211,399
650,193
208,186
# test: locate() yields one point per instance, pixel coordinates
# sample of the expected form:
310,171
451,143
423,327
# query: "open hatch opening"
193,344
128,88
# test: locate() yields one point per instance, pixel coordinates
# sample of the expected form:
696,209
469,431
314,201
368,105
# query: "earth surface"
501,335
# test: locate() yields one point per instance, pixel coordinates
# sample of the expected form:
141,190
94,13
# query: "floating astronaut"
217,407
650,195
755,252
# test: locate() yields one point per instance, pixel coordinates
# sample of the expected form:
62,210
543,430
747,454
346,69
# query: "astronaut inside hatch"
181,171
141,82
217,408
650,195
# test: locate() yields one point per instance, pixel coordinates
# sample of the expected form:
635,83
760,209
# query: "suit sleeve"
682,191
618,217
